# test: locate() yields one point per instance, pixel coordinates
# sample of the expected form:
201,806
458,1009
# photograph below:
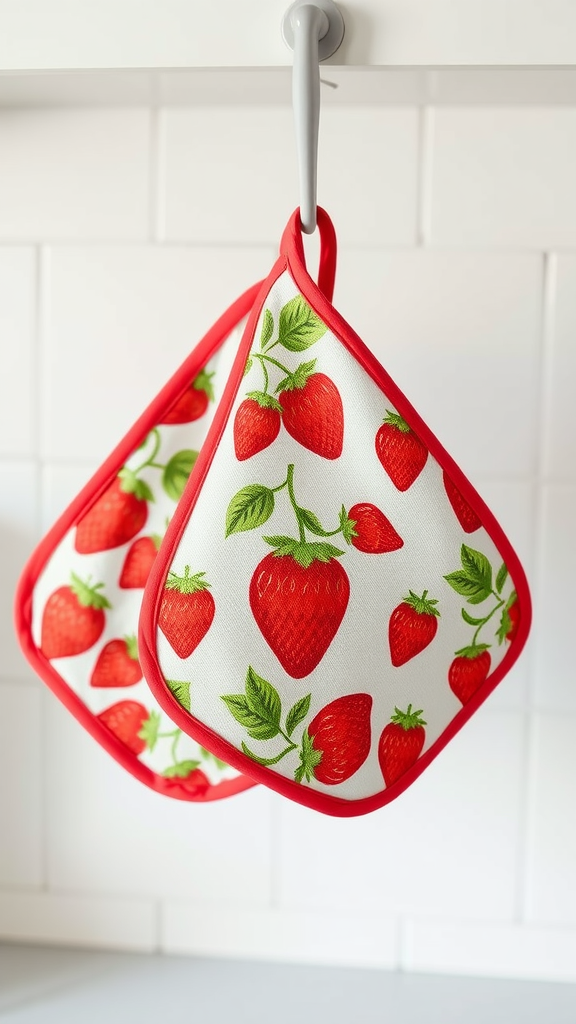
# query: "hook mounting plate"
330,42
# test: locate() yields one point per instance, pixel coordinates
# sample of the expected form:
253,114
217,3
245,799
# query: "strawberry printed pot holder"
79,598
332,595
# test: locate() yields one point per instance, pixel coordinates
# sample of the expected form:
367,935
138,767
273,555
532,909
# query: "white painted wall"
123,234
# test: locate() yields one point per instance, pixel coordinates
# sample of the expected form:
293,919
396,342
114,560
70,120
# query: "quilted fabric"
336,594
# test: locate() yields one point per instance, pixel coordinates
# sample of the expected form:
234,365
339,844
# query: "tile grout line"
525,824
424,175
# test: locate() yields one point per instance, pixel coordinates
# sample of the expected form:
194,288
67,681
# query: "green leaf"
265,401
177,471
474,592
203,382
504,627
181,770
470,619
476,566
265,760
150,729
311,522
297,379
297,713
256,727
267,328
130,484
249,508
299,325
263,699
248,367
181,691
309,759
303,552
501,577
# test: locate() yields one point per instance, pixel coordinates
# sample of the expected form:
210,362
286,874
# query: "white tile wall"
230,175
69,174
17,328
21,788
136,239
503,177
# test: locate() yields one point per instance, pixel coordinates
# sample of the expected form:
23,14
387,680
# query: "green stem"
488,617
268,359
295,506
266,378
150,460
269,760
176,740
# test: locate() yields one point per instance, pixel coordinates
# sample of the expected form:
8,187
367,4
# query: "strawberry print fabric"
342,605
80,597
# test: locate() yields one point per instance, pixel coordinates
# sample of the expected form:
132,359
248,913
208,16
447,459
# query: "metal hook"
314,31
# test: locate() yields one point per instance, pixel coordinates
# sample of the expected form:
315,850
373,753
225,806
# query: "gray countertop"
50,985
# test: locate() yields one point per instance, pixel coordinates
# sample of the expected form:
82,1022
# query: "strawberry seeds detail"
117,664
138,562
412,626
73,619
371,531
465,515
117,516
470,668
332,748
186,611
256,424
126,720
400,451
401,744
298,596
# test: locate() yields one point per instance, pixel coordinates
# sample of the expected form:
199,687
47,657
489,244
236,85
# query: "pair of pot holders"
279,575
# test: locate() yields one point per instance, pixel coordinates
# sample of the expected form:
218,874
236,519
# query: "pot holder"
363,601
79,597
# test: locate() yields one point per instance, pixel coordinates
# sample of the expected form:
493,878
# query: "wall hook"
314,31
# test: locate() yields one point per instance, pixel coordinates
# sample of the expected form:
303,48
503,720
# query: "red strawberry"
514,616
195,784
73,619
117,664
193,402
187,776
337,741
412,627
138,562
401,452
465,515
468,671
298,600
186,611
372,531
256,424
313,415
126,719
401,744
117,516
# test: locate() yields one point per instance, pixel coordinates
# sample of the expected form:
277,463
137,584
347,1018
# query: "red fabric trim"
177,384
292,259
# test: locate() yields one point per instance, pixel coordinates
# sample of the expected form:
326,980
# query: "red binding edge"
177,384
292,259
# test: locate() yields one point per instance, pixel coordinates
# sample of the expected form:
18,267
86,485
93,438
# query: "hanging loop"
314,31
